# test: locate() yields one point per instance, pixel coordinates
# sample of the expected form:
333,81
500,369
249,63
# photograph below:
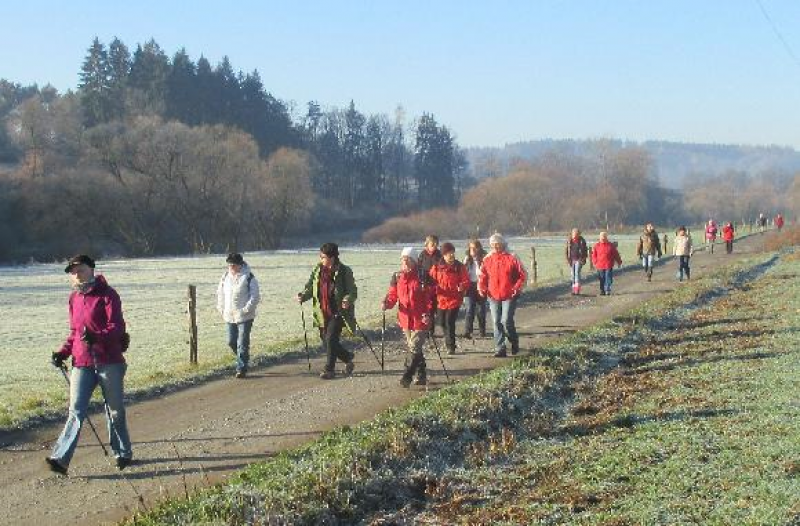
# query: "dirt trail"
200,435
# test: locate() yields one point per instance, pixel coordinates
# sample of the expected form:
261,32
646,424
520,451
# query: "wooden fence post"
534,268
192,324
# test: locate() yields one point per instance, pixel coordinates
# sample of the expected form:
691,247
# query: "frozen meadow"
33,313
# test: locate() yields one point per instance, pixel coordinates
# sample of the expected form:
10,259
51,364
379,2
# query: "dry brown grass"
788,237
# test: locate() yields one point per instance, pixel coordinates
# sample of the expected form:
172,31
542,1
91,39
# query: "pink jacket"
99,310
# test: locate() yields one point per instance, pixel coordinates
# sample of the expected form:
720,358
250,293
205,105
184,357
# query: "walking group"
428,290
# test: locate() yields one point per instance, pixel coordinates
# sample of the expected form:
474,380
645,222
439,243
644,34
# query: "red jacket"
727,233
412,298
604,255
452,282
502,276
99,310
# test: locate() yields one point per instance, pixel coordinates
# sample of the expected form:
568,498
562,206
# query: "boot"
422,377
650,275
348,368
405,381
327,375
577,289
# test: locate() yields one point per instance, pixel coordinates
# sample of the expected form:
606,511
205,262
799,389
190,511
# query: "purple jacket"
100,311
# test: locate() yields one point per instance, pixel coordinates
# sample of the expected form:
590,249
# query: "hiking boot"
483,334
500,354
56,466
241,374
467,335
421,380
123,462
405,382
327,375
348,368
514,350
451,351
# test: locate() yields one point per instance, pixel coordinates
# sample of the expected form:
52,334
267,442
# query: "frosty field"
33,313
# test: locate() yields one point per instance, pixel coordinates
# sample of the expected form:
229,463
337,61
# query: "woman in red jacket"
604,255
727,236
451,279
502,279
415,301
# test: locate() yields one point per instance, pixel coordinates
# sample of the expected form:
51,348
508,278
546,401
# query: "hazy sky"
723,71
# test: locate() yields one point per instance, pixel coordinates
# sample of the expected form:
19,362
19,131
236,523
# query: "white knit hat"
497,238
410,252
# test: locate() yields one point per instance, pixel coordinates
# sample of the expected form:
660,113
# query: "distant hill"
674,160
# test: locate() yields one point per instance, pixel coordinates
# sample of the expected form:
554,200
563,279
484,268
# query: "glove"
87,336
57,360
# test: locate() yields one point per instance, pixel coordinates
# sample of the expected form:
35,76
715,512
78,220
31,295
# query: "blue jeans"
647,262
239,342
503,320
606,279
576,272
83,380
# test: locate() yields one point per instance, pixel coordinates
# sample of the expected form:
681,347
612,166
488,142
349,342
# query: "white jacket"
238,296
682,246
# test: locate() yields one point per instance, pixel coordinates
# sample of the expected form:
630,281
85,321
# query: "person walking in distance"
332,288
779,222
428,258
727,236
475,304
451,280
415,301
762,223
576,252
604,255
648,248
711,234
238,296
683,251
501,281
96,343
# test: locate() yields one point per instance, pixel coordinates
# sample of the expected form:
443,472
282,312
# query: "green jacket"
344,288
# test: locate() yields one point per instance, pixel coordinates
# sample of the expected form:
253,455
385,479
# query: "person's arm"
483,278
221,295
308,290
254,298
522,277
391,295
351,291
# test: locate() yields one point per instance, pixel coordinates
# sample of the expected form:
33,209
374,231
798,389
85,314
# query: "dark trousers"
449,317
330,335
474,305
729,247
683,267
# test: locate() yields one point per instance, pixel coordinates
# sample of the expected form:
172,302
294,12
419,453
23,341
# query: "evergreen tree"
148,79
434,163
182,90
95,85
119,68
206,109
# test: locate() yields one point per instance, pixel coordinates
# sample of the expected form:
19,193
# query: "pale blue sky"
494,72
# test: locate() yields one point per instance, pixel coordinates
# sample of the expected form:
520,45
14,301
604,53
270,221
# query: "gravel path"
202,434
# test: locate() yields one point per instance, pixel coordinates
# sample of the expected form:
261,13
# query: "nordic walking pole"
305,335
63,369
383,336
366,340
436,348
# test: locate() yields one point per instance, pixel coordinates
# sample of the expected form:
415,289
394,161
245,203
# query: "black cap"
330,249
234,259
80,259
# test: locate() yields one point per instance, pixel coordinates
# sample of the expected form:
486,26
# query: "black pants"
449,317
330,335
683,267
729,247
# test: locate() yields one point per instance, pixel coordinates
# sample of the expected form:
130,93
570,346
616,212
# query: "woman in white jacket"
683,250
237,298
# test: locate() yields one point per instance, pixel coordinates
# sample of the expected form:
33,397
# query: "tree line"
160,155
610,186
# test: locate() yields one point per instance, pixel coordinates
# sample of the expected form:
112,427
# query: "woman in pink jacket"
96,343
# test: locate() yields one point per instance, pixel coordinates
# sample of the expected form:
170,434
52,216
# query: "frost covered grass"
679,411
34,315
